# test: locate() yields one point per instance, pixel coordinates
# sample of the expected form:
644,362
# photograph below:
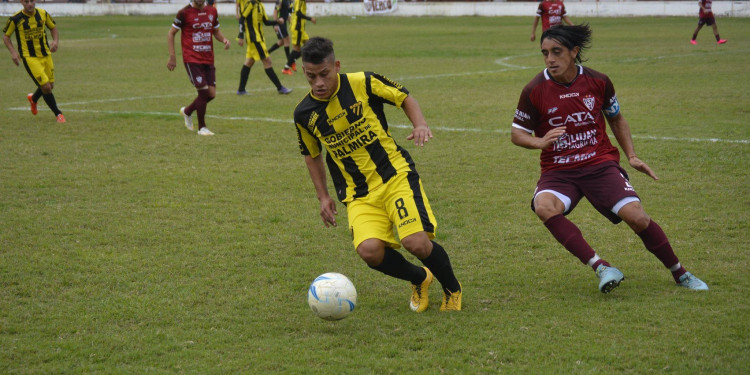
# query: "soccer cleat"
241,92
204,131
609,278
721,41
33,104
284,91
691,282
452,301
294,66
419,298
693,42
61,118
188,119
287,71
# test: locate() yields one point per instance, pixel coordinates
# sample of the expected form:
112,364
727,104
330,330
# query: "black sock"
395,265
37,94
440,264
273,48
286,50
244,74
293,56
51,103
273,77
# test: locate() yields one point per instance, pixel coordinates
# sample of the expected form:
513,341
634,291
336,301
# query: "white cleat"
188,119
205,131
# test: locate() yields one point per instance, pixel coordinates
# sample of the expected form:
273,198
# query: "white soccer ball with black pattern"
332,296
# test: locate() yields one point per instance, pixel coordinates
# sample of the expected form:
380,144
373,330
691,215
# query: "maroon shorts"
604,185
707,20
201,74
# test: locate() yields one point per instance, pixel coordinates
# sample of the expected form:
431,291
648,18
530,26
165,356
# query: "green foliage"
130,245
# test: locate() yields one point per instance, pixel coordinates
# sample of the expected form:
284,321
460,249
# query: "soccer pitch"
131,245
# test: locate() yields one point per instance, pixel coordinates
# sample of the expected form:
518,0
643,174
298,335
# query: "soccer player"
251,30
373,176
706,17
299,35
281,13
199,25
552,13
565,107
35,52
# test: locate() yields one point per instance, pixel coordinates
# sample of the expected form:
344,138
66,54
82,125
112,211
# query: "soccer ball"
332,296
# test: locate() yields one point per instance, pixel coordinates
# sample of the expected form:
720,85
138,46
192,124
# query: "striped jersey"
31,37
254,17
299,15
351,125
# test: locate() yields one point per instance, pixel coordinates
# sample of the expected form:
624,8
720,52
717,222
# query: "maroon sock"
199,104
656,242
568,234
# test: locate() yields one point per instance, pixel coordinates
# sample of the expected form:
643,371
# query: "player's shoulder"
306,105
538,79
16,16
594,74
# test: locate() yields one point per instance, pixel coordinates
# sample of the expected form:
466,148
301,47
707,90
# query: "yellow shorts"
256,51
299,37
401,202
41,69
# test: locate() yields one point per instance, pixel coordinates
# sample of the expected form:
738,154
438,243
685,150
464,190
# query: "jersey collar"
548,77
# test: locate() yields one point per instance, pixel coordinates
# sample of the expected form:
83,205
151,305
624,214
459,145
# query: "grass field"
131,245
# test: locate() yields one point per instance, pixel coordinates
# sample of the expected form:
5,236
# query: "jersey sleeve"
540,10
48,21
526,116
611,106
9,28
309,144
385,89
179,20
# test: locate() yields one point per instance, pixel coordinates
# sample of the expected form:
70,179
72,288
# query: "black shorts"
707,20
282,32
604,185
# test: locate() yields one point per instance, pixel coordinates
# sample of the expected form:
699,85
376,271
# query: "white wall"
575,9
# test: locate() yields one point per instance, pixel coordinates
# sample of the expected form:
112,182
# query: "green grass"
130,245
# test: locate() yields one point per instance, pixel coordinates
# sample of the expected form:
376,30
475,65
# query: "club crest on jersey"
589,101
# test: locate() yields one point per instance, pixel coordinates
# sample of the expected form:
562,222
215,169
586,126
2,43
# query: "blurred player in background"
199,25
373,176
299,35
562,112
706,17
552,13
281,13
34,51
253,17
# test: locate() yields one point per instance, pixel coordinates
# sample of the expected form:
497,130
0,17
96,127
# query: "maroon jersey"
707,5
580,107
552,13
197,26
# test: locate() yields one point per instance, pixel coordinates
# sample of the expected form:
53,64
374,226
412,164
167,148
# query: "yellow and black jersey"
299,15
361,153
30,34
254,17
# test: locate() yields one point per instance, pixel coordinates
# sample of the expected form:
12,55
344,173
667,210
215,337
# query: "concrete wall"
604,8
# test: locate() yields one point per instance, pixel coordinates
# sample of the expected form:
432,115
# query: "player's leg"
245,70
42,71
697,29
656,242
373,238
267,65
716,32
409,210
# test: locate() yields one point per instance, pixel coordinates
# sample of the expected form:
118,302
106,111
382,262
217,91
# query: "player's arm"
55,39
621,130
523,138
220,37
13,53
533,28
567,20
421,132
318,175
304,16
172,62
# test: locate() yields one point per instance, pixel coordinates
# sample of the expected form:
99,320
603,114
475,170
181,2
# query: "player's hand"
533,36
328,211
280,21
53,46
171,63
421,135
15,58
314,20
226,43
241,42
642,167
551,137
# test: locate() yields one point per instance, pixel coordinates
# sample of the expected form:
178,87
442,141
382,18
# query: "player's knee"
371,251
418,244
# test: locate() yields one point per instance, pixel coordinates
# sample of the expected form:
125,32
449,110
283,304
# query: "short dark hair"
571,37
317,49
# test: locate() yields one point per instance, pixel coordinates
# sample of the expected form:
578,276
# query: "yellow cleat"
452,301
419,296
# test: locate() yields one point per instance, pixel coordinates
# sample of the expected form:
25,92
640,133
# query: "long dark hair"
570,36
